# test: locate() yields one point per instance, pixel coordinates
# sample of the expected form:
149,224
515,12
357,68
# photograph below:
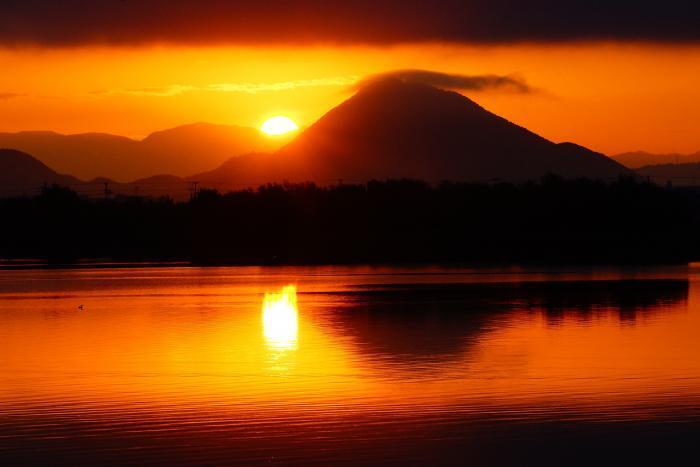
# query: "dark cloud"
76,22
452,81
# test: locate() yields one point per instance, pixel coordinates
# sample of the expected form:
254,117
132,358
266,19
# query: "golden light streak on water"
280,318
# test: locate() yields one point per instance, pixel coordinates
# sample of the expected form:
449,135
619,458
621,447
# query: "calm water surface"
350,365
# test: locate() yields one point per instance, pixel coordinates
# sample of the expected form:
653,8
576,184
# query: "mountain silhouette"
394,129
388,130
637,159
188,149
181,151
245,171
21,173
687,174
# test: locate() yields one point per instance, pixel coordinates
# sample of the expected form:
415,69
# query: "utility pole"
108,192
194,190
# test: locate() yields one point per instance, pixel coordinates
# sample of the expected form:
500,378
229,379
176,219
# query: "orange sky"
609,97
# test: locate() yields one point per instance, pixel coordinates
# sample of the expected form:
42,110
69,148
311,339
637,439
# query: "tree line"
552,220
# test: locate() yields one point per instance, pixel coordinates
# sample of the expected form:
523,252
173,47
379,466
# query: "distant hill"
240,172
637,159
677,174
181,151
201,146
394,129
21,174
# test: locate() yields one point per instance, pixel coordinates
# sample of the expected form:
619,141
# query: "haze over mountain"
179,151
394,129
637,159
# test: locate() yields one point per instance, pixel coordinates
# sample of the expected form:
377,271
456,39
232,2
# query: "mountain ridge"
20,173
389,129
176,150
683,174
394,129
638,159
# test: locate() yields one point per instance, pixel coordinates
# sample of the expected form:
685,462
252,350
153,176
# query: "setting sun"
278,125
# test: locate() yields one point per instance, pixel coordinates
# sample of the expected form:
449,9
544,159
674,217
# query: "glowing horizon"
611,98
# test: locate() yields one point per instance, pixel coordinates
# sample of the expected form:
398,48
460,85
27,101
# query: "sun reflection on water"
280,318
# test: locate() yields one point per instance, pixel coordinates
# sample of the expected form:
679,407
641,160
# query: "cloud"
166,91
6,96
204,22
254,88
432,78
452,81
247,88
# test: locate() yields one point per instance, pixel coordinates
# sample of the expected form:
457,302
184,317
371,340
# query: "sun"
278,125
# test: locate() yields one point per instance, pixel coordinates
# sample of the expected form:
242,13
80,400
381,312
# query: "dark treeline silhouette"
552,220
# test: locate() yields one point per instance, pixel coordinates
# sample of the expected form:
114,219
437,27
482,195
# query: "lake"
349,365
